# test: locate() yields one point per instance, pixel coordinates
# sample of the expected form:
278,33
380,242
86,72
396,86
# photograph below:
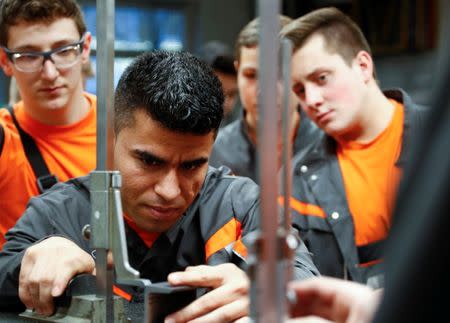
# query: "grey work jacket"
234,149
65,210
325,223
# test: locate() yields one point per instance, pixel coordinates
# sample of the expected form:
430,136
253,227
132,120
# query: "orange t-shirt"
148,237
69,151
371,179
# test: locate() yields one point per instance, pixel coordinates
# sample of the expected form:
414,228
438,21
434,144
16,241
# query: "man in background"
236,144
44,45
220,58
344,189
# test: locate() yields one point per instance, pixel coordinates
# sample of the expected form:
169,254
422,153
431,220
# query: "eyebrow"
317,71
148,156
34,48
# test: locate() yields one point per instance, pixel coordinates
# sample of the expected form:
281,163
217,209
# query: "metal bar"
286,53
105,79
100,180
267,300
284,265
124,271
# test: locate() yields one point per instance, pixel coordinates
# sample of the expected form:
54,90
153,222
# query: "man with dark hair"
345,187
220,58
236,144
44,45
178,211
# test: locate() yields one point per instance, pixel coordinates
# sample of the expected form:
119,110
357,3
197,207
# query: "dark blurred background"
406,35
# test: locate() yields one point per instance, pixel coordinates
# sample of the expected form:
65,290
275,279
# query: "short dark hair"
249,35
13,12
175,89
342,35
218,56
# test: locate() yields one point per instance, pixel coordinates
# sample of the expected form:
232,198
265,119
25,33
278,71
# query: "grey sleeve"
32,227
56,213
246,204
303,264
302,261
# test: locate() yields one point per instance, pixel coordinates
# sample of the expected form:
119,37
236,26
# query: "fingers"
207,276
308,319
44,304
200,276
35,285
46,269
312,298
226,313
227,302
244,319
24,291
331,298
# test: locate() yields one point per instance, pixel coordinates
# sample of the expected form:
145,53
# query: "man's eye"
66,51
191,166
149,161
298,89
322,78
27,58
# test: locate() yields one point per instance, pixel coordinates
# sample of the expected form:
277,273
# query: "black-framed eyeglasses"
63,57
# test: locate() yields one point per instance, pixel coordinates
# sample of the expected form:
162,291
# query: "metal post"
284,272
286,53
266,298
105,79
100,179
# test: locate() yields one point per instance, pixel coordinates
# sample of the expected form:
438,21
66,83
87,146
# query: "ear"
5,63
86,48
365,64
236,65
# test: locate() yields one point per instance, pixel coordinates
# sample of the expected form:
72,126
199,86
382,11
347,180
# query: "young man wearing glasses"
44,44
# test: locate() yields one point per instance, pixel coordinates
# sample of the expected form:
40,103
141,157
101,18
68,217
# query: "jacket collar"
325,146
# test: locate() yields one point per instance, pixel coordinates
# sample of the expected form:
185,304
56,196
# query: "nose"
168,187
49,70
313,97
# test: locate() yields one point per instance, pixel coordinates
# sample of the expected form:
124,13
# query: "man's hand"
227,301
333,299
46,269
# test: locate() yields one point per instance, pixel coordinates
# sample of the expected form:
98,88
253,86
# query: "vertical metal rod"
105,78
284,266
286,53
266,273
100,180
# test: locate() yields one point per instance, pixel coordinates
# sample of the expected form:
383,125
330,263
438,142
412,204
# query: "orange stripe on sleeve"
370,263
303,208
227,234
121,293
240,248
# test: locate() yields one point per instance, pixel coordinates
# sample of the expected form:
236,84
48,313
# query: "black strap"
81,186
2,138
371,252
44,179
